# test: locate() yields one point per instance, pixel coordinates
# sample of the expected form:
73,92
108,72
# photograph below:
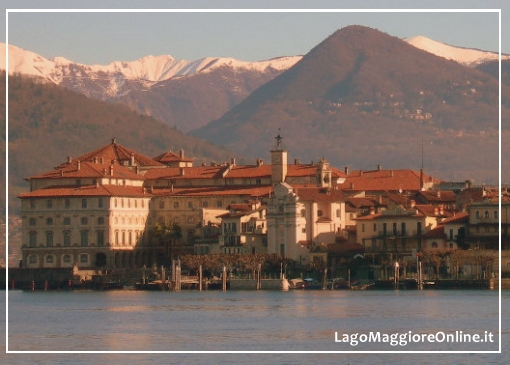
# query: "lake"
253,321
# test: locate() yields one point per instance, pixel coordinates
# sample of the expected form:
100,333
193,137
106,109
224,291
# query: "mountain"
362,98
181,93
466,56
48,123
185,94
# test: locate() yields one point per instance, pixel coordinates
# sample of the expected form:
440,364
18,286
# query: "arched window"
486,215
434,244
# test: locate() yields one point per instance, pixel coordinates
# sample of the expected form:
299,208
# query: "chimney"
259,162
182,172
412,203
441,209
132,159
95,159
438,193
233,161
391,173
78,165
69,159
114,140
352,185
181,154
378,167
372,210
61,172
104,172
111,170
296,161
436,211
346,170
360,172
101,160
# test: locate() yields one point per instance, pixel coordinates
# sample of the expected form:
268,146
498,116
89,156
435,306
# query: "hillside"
48,123
492,68
362,98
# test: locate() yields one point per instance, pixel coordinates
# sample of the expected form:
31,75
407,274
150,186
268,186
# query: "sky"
103,37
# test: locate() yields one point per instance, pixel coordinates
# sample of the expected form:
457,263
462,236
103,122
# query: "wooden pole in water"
200,278
224,279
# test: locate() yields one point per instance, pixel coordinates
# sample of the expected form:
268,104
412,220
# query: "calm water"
251,321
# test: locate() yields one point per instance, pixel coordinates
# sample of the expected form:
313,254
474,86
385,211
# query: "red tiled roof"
320,195
362,202
170,156
77,169
384,180
462,217
118,153
249,171
432,211
175,173
439,196
250,191
303,170
88,190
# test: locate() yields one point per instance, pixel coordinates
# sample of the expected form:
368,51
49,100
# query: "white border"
7,11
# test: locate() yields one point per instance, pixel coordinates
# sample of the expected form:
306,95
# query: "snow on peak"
465,56
149,68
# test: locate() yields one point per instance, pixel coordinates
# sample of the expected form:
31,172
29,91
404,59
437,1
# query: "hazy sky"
102,37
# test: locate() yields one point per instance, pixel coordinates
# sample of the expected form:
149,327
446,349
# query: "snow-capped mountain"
466,56
149,69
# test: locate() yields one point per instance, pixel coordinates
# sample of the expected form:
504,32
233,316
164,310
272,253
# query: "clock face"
276,159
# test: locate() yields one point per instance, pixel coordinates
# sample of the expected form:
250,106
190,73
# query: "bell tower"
278,161
323,174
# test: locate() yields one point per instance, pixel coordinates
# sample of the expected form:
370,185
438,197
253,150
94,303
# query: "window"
258,181
338,213
130,238
136,203
161,204
244,227
49,238
486,214
375,227
32,259
205,204
394,229
477,215
116,238
66,259
303,213
32,239
219,204
303,230
84,258
49,203
176,205
123,238
362,227
32,204
49,259
100,238
100,203
403,228
190,205
84,238
67,203
234,228
100,221
49,221
495,215
84,221
319,213
191,219
451,234
434,244
67,221
31,222
84,203
67,238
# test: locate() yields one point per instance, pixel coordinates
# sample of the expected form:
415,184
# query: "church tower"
323,174
278,161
